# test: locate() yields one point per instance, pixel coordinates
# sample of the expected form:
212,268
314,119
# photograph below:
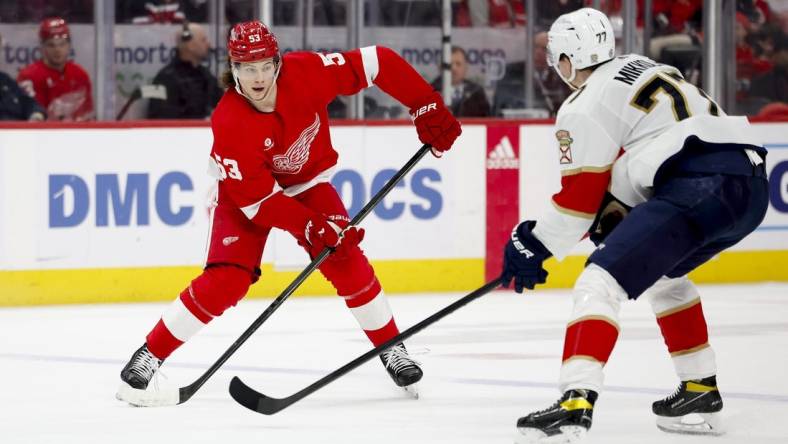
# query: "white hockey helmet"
585,36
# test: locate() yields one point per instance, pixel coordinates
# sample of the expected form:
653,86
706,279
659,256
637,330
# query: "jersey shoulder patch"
564,146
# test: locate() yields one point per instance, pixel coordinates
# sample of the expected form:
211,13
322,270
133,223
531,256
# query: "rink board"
108,213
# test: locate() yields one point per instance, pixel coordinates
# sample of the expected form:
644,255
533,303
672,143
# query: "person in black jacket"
467,98
15,103
190,90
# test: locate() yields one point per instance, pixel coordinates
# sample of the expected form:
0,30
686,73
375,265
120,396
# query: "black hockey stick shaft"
184,393
135,95
254,400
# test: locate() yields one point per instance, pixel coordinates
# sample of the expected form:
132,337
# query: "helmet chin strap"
240,91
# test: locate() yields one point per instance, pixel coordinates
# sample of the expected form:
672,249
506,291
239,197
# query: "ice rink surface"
486,365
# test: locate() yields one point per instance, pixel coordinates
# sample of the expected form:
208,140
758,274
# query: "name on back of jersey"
630,72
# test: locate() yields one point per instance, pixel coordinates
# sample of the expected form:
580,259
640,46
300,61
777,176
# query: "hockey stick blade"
254,400
170,397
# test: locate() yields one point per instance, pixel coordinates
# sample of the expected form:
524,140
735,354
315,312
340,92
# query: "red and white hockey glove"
435,124
321,232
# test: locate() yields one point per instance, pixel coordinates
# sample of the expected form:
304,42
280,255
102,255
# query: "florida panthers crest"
565,146
298,153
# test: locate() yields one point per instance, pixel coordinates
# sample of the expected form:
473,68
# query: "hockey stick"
135,95
153,91
254,400
172,397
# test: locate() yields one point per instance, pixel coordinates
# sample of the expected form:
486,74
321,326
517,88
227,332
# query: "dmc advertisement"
118,214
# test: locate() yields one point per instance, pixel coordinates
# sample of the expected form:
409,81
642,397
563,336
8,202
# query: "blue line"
776,146
772,228
467,381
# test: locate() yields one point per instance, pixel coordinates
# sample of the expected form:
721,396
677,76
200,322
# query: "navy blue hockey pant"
690,218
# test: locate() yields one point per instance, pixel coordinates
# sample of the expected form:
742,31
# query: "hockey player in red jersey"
273,158
58,84
663,180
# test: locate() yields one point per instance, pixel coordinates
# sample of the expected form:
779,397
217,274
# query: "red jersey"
257,155
65,95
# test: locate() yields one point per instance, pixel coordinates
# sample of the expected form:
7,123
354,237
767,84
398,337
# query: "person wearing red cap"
60,85
272,157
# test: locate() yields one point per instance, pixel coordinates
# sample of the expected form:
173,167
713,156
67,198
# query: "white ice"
486,365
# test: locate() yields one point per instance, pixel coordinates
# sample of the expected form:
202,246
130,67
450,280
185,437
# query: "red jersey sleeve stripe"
582,192
369,58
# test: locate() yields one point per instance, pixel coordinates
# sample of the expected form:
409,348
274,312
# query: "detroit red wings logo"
298,153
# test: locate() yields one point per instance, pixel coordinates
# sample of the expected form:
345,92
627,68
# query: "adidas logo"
502,157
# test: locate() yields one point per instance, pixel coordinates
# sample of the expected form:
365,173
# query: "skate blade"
568,435
412,390
145,398
692,424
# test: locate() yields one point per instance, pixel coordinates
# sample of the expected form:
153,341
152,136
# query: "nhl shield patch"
565,146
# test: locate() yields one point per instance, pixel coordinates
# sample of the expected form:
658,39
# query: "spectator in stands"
773,85
747,64
547,12
478,12
549,90
190,90
58,84
677,23
467,98
507,14
756,11
74,11
404,13
495,13
763,40
16,104
160,11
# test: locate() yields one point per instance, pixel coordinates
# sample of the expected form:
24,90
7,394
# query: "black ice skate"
136,376
566,421
692,409
403,370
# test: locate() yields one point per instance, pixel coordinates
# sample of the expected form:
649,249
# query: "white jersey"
613,134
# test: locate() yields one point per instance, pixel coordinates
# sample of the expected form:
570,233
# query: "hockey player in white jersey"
663,180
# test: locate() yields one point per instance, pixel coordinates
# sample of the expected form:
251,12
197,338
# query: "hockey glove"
434,124
321,232
612,212
522,259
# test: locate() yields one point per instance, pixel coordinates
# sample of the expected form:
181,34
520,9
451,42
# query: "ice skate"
566,421
403,370
692,409
137,374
